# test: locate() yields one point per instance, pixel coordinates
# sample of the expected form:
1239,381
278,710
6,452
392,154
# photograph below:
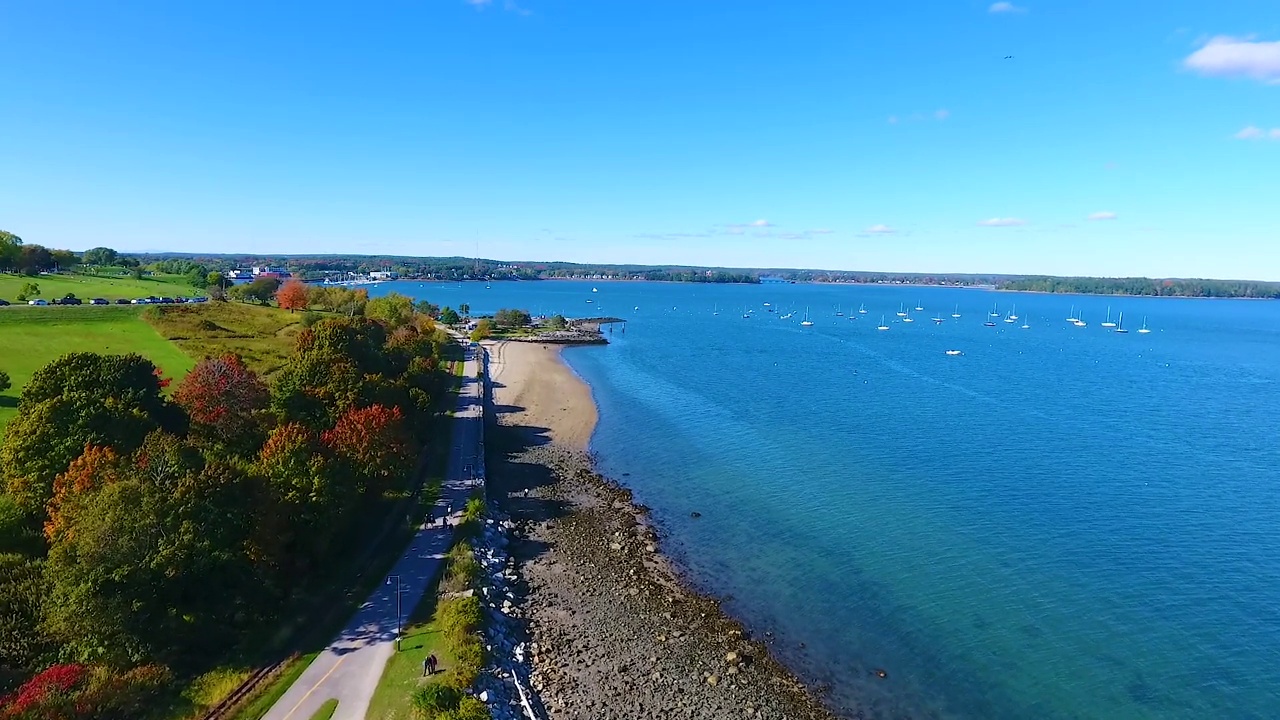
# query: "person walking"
432,662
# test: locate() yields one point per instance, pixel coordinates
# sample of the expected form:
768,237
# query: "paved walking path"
349,668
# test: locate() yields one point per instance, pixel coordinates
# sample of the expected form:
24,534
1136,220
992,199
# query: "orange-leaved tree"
293,296
374,444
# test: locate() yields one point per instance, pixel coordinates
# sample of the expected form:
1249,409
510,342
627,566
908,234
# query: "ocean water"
1062,522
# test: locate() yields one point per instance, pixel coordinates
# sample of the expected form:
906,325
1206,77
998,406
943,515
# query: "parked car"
166,301
99,301
70,301
123,301
141,301
37,302
3,303
199,299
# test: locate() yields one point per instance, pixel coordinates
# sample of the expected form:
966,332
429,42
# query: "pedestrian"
426,666
433,663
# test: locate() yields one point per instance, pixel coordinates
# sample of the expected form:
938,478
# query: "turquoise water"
1063,522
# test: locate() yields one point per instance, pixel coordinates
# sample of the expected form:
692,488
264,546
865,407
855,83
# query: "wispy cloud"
820,231
942,114
1002,222
1103,215
893,119
761,223
511,7
478,3
880,230
1225,56
1256,133
1004,8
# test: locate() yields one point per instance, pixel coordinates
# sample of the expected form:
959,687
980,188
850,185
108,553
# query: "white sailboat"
715,309
1120,325
1108,322
839,311
956,314
862,310
1014,315
995,310
806,322
919,306
939,319
1010,318
902,310
908,318
1143,330
1026,323
1080,321
1072,316
882,325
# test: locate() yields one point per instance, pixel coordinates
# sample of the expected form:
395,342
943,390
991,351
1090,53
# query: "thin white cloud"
820,231
761,223
478,3
1002,222
880,230
1256,133
512,7
1103,215
942,114
1225,56
1005,8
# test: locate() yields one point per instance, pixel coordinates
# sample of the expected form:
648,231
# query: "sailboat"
1010,318
1108,322
995,310
839,312
1026,323
908,318
862,310
939,319
956,314
1080,321
806,322
715,309
902,310
1072,316
989,322
1120,324
1143,330
1014,315
882,325
919,306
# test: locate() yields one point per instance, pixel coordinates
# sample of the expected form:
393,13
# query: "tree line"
1147,286
146,534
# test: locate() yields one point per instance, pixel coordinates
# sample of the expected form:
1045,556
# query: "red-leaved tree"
374,444
292,296
223,398
96,467
47,695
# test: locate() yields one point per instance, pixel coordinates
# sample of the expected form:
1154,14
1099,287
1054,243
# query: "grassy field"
403,672
263,336
326,710
34,336
87,287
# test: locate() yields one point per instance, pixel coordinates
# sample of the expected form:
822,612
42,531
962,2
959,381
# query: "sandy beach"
613,630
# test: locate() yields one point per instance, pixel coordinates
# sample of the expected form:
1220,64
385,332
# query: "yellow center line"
313,687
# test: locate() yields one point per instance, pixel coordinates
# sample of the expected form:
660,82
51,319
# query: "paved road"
349,668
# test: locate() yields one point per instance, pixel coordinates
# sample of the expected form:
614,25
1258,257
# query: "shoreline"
614,628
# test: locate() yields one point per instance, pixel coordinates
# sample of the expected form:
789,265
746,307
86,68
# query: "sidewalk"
350,667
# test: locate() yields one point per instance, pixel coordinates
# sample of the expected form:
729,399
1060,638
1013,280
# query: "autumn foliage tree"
224,400
292,296
373,444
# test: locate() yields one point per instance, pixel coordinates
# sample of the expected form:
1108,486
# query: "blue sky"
877,136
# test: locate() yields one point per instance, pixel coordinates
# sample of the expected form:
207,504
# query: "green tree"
32,259
5,382
483,330
28,291
512,318
64,259
394,309
465,309
431,310
100,256
136,272
215,279
261,290
23,645
557,322
10,248
449,316
198,276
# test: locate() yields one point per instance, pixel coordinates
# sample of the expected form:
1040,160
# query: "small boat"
806,322
954,352
863,309
882,325
902,310
1143,330
715,309
595,289
938,319
1120,325
1080,321
1026,323
919,306
1072,316
1010,318
1014,315
590,300
839,312
1108,322
956,314
995,311
908,318
746,315
989,323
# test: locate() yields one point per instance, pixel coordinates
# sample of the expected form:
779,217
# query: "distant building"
384,275
266,271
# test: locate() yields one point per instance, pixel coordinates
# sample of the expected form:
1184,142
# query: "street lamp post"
398,614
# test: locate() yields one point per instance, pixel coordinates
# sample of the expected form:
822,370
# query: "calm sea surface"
1062,522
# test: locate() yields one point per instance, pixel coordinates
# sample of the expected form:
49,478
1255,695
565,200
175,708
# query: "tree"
373,443
64,259
5,382
215,279
483,330
262,289
10,248
197,277
557,322
393,309
136,272
22,593
449,316
28,291
292,296
512,318
431,310
224,400
100,256
465,309
32,259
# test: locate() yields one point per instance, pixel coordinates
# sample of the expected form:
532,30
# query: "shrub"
463,570
433,699
460,617
310,318
468,659
5,382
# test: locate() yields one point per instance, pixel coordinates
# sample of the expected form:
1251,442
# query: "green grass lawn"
403,672
263,336
87,287
31,337
326,710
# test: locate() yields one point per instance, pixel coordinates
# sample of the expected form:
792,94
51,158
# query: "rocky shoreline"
612,631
